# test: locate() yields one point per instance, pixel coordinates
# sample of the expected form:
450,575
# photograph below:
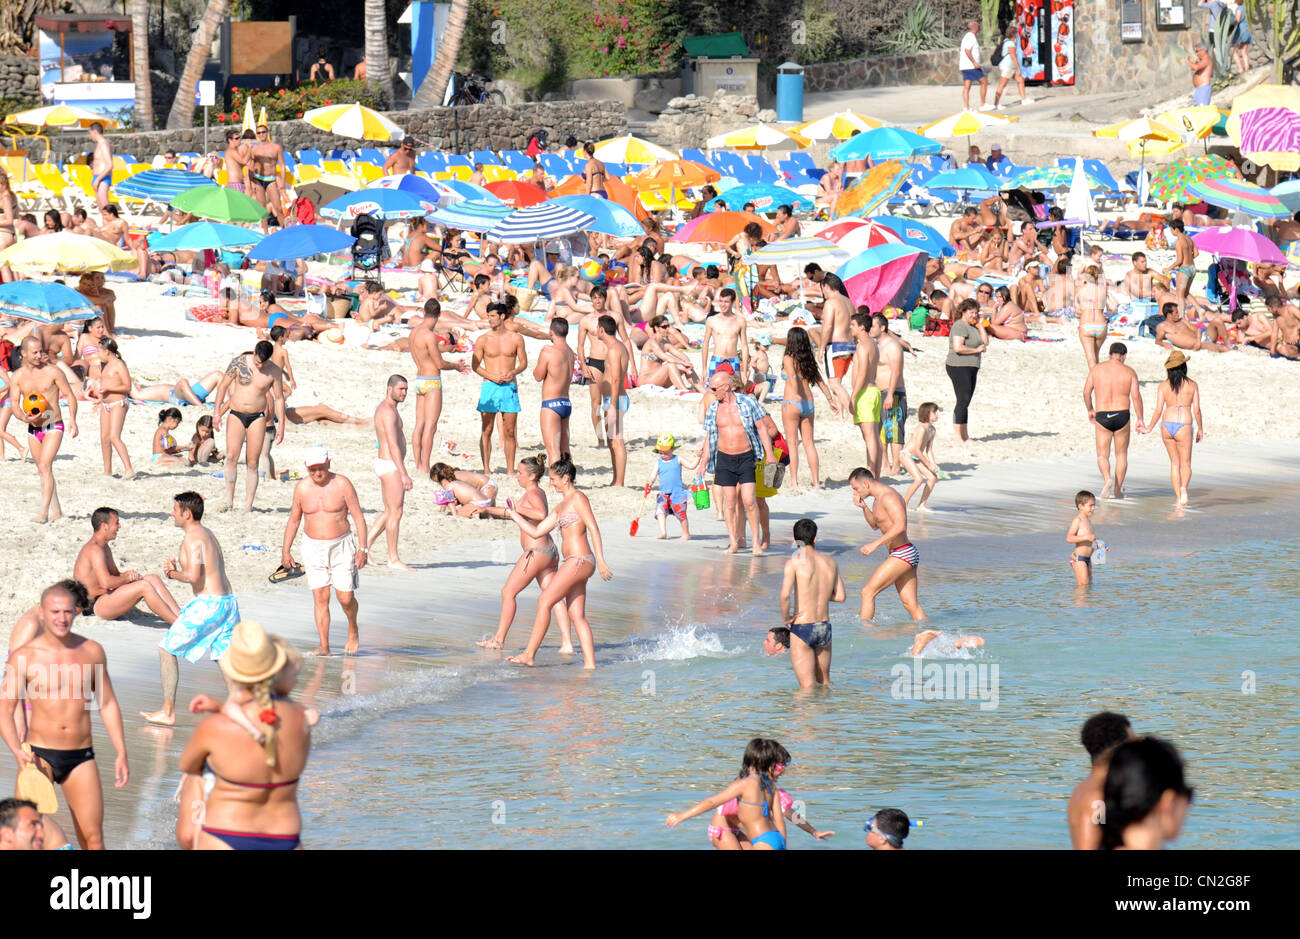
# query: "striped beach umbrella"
198,236
160,185
470,215
860,237
611,218
1240,196
890,275
758,137
66,253
841,126
538,223
353,120
873,189
1270,132
1170,182
381,203
44,302
630,149
1288,193
964,123
801,250
884,143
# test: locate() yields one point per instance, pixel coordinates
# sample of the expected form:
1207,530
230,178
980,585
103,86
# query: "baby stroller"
370,250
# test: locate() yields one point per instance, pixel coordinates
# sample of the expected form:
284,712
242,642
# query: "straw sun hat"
253,655
1176,358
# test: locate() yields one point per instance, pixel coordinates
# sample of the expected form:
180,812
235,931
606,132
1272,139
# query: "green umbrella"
220,203
1170,182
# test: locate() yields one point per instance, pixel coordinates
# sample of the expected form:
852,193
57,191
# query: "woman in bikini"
564,299
594,172
1058,302
1090,304
992,256
167,450
418,243
1008,320
757,804
663,366
114,386
8,218
540,560
254,800
801,374
53,222
574,518
1182,398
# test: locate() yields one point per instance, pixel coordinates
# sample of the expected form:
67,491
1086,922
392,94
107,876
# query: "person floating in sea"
887,830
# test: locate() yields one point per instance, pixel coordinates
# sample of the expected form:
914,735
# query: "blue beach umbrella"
968,177
300,241
44,302
884,143
409,183
468,191
198,236
1288,193
382,203
539,222
160,185
611,218
471,215
917,234
765,196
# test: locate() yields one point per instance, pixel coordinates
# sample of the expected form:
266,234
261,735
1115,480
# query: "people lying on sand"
462,492
185,391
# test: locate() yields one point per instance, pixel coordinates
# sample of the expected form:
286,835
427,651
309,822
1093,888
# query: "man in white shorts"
330,554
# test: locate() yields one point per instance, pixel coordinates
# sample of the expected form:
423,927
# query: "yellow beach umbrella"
841,126
1265,124
261,118
758,137
963,124
1144,137
1196,122
59,115
353,120
66,253
249,124
630,149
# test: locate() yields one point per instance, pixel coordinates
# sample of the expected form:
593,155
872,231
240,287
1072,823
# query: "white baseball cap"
316,456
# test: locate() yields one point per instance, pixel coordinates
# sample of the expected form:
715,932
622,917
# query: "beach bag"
936,327
1155,240
996,57
700,494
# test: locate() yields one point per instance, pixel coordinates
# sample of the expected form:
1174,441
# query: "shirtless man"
429,366
615,402
1025,249
837,342
966,232
252,386
593,352
390,467
1008,320
322,504
1285,329
499,357
64,677
554,370
866,393
401,160
1185,262
787,226
1257,329
46,428
1140,279
593,175
1176,333
816,579
101,164
1086,809
113,593
265,171
889,379
1108,393
888,515
236,159
203,625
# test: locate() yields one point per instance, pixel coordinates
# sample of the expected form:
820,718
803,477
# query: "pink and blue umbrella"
888,275
1240,196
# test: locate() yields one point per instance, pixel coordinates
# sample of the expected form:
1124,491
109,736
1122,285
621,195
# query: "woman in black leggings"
968,339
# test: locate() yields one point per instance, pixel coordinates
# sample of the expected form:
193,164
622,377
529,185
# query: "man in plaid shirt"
737,439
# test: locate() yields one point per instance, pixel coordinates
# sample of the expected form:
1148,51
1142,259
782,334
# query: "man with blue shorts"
499,357
971,68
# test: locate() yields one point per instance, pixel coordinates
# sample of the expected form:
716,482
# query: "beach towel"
206,313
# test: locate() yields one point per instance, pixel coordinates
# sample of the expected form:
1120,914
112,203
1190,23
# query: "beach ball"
591,272
35,405
333,337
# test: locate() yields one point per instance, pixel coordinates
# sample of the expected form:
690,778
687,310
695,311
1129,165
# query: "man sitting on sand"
113,593
1176,333
816,579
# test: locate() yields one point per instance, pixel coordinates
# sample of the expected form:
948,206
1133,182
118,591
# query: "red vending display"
1062,42
1031,38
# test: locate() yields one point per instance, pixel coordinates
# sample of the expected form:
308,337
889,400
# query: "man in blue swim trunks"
724,332
555,371
499,357
816,578
101,165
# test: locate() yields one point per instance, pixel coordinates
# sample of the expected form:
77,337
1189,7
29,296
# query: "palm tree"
182,114
140,64
434,86
377,49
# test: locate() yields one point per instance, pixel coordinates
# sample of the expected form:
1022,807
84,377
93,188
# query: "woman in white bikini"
575,520
540,560
1090,304
114,385
1182,398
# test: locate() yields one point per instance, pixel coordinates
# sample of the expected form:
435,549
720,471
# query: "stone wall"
19,77
922,68
455,129
1103,63
689,121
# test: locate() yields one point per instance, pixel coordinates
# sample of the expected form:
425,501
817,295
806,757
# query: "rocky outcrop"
921,68
19,77
688,121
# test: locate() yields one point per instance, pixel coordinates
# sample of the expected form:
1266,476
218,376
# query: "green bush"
920,31
286,104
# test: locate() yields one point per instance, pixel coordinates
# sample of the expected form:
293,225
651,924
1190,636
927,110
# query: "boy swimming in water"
946,646
1082,537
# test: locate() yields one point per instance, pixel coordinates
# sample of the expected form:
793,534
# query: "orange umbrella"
617,189
719,227
515,193
673,174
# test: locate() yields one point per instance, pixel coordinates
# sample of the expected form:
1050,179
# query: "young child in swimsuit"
918,456
166,450
672,491
203,446
1082,537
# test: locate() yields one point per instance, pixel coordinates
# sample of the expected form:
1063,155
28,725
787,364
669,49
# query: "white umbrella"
1078,204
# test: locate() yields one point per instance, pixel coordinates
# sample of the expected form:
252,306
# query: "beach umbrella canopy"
674,175
611,218
327,188
540,222
1270,134
1243,244
966,177
44,303
918,235
1240,196
161,185
382,203
884,143
1288,193
470,215
353,120
198,236
1047,179
964,123
765,196
415,185
517,194
841,126
719,227
630,149
66,253
220,203
801,250
1170,182
758,137
300,241
889,275
617,190
872,189
60,115
1197,122
868,235
1078,203
452,191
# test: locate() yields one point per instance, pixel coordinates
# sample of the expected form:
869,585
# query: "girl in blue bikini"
801,374
758,810
1182,397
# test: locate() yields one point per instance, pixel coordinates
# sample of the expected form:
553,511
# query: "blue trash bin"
789,92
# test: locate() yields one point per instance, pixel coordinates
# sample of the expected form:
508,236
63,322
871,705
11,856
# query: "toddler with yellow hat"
672,491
